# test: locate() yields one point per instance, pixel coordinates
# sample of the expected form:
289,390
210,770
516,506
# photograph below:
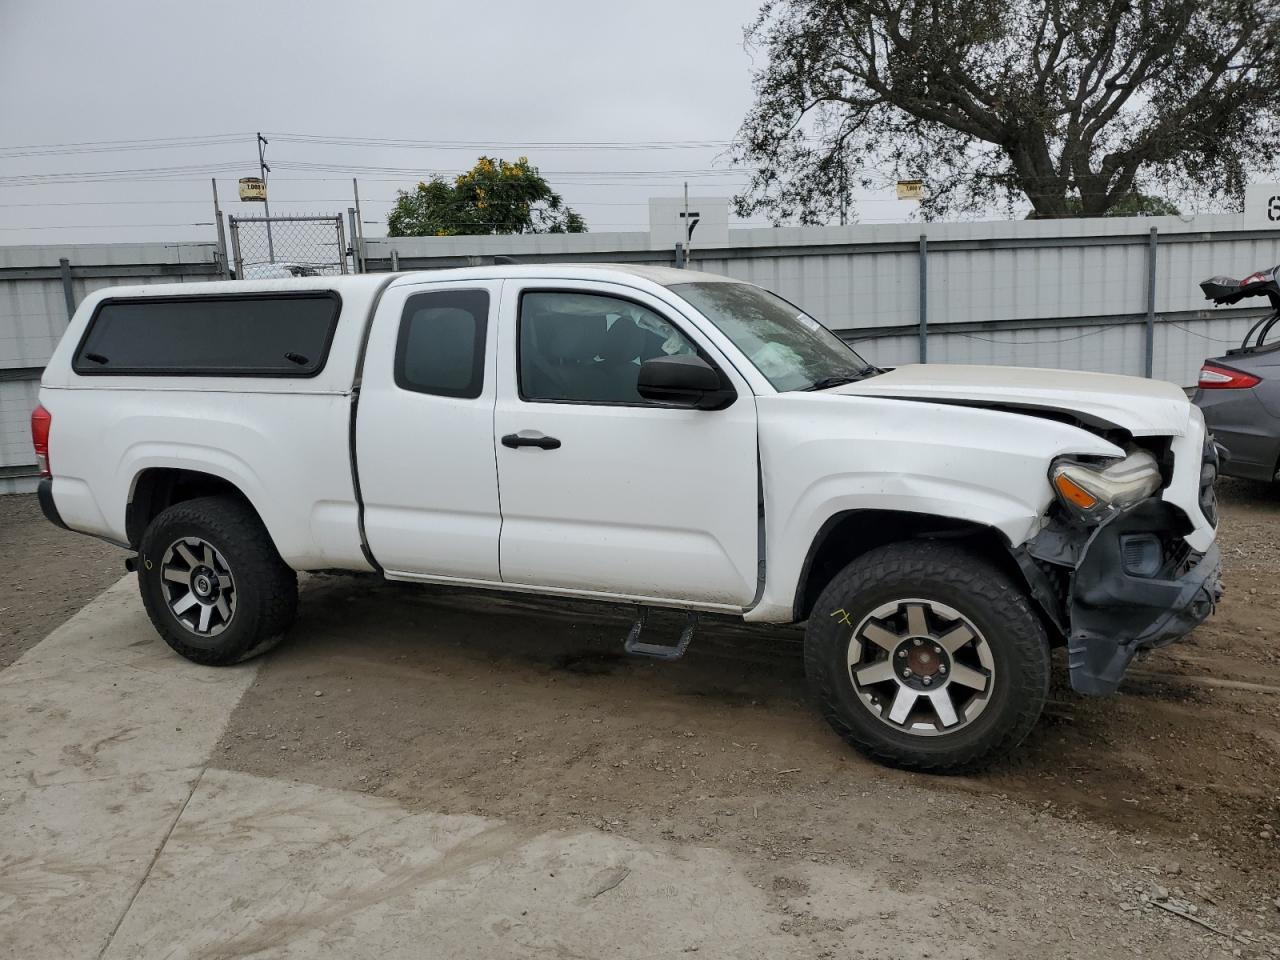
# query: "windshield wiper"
826,383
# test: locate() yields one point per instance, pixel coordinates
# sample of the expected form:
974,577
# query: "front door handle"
514,440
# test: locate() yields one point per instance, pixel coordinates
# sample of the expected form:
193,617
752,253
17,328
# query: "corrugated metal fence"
39,288
1115,295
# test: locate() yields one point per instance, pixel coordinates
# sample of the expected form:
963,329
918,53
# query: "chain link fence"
271,247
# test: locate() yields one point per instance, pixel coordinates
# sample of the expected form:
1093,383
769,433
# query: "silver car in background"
1239,392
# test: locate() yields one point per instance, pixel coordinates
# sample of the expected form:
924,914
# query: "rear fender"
193,458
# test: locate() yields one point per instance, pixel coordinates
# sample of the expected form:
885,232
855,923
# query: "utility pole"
263,170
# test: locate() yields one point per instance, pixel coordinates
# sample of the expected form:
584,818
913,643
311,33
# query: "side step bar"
659,651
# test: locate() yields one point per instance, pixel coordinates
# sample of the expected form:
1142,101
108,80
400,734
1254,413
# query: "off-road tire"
988,597
266,588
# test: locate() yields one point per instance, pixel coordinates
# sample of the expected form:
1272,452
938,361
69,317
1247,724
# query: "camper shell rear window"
237,335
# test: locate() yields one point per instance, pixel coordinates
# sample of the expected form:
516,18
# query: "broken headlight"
1094,491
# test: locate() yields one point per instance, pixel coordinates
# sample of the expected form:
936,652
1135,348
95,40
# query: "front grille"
1179,558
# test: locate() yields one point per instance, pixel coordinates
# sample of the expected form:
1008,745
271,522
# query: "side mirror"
684,381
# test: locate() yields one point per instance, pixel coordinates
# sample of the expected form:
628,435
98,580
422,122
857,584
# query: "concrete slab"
103,735
119,840
258,867
116,841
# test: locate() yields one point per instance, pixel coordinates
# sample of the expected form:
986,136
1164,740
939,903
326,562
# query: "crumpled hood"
1143,407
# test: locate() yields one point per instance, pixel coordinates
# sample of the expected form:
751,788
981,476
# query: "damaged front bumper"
1126,585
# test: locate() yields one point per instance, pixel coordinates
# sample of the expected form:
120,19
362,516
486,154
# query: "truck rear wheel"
925,656
213,583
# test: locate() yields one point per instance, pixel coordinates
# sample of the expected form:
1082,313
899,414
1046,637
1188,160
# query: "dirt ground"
1116,809
1177,778
46,574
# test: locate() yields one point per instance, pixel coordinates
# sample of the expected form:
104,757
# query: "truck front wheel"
213,583
925,656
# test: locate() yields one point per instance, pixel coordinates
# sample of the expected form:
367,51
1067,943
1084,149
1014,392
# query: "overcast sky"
500,77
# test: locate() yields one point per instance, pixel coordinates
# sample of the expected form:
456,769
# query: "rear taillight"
41,421
1214,377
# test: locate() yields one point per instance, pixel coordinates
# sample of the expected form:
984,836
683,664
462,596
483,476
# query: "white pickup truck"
649,436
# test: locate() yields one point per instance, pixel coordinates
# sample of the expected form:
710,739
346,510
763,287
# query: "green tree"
492,197
1131,205
1075,105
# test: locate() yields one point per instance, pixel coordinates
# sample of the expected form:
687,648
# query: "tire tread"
927,561
267,587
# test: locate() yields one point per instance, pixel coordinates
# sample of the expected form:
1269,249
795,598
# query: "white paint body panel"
1184,489
281,440
286,453
1143,407
428,476
639,503
823,453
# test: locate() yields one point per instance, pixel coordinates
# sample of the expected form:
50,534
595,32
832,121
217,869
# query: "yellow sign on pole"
910,189
253,188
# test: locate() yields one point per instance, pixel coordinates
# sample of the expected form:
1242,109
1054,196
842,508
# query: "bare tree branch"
1074,105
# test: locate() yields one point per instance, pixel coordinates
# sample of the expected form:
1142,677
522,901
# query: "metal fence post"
924,298
357,233
355,248
342,245
1152,242
235,247
68,293
222,234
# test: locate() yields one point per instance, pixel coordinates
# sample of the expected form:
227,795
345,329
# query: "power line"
204,202
106,176
225,166
401,142
400,181
112,146
106,226
576,185
419,172
195,140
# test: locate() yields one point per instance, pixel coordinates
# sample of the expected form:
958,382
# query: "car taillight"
41,421
1214,377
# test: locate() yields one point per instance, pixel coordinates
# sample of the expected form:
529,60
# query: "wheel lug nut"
937,649
917,641
902,653
927,681
942,668
906,674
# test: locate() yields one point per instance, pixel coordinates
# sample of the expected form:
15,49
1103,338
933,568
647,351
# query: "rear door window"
441,345
252,335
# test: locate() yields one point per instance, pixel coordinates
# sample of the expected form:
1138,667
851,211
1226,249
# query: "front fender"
823,455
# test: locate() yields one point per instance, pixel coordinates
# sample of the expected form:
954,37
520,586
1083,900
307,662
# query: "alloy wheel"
921,667
198,586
